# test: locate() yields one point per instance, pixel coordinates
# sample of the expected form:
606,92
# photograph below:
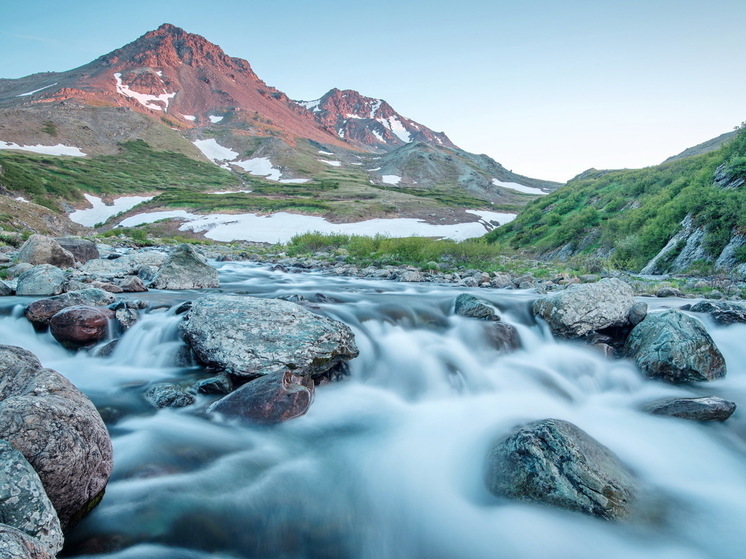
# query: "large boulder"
39,249
556,463
708,408
42,280
722,312
57,429
270,399
80,326
15,544
23,502
674,347
475,307
40,312
248,336
126,265
81,249
582,309
185,268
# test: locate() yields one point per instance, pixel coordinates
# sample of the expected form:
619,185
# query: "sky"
548,88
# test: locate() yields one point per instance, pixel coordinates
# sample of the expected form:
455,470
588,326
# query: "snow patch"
59,149
332,163
261,167
190,117
146,100
211,149
100,212
396,126
376,169
311,105
488,217
295,181
22,199
325,152
374,107
229,191
378,135
37,90
519,187
391,179
350,115
215,119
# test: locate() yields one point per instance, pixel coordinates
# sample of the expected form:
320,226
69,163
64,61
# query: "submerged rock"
185,268
167,395
57,429
674,347
248,336
582,309
80,326
709,408
24,503
39,249
475,307
273,398
42,280
556,463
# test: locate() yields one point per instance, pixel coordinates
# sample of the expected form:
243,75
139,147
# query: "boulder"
58,430
185,268
39,249
15,544
554,462
669,292
270,399
41,311
23,502
722,312
80,326
582,309
503,336
217,384
248,336
475,307
42,280
411,276
5,289
131,284
674,347
81,249
167,395
15,271
709,408
126,265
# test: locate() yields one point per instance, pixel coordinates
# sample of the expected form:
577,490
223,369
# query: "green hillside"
630,215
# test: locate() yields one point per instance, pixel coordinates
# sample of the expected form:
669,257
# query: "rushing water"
389,463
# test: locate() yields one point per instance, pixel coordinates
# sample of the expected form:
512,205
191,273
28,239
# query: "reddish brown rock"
41,311
80,326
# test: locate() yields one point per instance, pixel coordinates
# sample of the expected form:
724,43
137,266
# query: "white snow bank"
229,191
281,227
519,187
295,181
261,167
322,152
215,119
190,117
391,179
22,199
100,212
332,163
214,151
396,126
146,100
489,217
59,149
37,90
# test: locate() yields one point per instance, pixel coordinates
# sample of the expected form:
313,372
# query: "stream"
389,463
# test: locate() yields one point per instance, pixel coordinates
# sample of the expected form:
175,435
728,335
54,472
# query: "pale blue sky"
547,88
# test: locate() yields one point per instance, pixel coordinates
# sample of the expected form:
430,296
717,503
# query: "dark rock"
722,312
58,430
674,347
107,286
474,307
503,337
81,249
40,312
42,280
147,273
166,395
23,502
80,326
39,249
273,398
637,313
710,408
185,268
248,336
5,289
15,544
218,384
183,307
582,309
555,463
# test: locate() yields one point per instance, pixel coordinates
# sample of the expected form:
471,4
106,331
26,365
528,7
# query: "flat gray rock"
185,268
709,408
42,280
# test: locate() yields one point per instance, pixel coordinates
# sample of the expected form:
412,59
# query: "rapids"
389,463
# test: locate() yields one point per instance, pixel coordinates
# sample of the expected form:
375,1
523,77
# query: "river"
389,463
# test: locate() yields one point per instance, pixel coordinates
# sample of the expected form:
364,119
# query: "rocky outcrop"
39,249
41,311
582,309
80,326
674,347
273,398
248,337
709,408
23,502
42,280
553,462
57,429
185,268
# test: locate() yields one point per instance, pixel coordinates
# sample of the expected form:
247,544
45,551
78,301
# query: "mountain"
174,92
684,215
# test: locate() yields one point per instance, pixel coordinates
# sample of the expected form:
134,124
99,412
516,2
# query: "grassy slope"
633,213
